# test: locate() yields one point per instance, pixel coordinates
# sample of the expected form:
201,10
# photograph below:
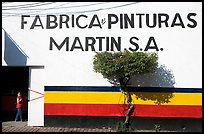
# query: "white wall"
182,52
36,96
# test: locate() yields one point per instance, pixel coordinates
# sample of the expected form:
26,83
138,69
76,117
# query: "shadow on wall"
13,55
157,98
162,77
156,84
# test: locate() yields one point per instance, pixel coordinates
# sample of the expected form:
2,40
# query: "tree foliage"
116,66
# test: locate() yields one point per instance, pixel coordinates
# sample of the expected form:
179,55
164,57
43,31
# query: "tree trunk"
123,83
130,109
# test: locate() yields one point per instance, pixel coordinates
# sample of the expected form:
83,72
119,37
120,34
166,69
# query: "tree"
119,67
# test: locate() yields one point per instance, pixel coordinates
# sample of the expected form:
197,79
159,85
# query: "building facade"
58,40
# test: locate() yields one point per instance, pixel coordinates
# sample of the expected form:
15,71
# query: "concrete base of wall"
137,123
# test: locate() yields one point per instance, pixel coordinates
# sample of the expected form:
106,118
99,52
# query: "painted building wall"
182,47
69,78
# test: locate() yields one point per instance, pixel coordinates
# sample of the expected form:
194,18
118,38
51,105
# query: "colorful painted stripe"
117,89
109,101
180,111
62,97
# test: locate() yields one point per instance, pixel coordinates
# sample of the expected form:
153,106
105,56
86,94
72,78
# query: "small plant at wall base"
157,128
119,67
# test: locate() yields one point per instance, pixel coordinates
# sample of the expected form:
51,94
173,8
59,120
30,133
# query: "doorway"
13,80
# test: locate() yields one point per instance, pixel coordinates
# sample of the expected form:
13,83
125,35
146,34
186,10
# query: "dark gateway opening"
13,80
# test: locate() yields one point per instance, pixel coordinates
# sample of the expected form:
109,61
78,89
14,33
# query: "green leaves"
117,64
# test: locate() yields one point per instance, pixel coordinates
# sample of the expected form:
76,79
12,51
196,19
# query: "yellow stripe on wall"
75,97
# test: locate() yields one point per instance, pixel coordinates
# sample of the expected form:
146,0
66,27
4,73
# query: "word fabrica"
121,21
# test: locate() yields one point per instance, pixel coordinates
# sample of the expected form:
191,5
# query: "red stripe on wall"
118,110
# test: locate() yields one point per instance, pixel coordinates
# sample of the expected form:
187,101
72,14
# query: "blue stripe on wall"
117,89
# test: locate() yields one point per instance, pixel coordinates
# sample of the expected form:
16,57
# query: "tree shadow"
162,77
157,86
156,98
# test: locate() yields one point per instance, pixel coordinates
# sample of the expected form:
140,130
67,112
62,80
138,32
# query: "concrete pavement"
12,126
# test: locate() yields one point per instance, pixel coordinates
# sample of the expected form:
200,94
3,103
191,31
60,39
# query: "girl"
19,105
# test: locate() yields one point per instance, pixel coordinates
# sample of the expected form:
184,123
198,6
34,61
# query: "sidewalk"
12,126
